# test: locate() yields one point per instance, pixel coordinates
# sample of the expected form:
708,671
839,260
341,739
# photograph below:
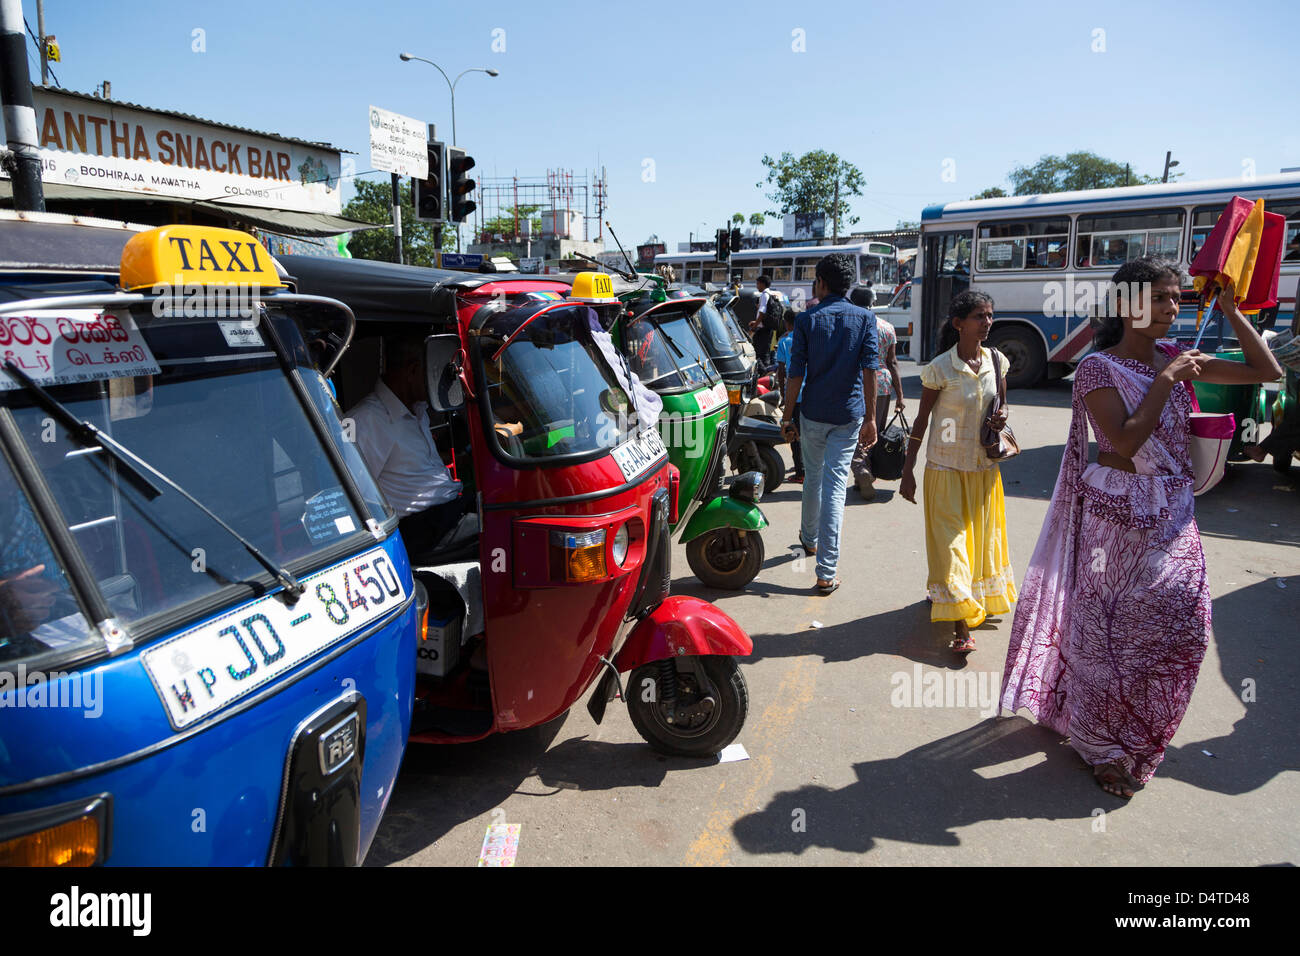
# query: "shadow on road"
1254,634
924,795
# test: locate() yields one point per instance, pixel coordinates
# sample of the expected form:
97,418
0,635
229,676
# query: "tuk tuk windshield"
550,390
213,409
718,335
667,354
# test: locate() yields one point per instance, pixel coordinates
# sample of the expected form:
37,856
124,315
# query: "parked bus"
790,268
1046,260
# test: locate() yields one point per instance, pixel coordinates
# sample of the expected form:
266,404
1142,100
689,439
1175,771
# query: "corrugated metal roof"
37,89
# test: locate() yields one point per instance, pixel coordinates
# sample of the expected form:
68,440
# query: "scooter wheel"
725,557
711,703
773,467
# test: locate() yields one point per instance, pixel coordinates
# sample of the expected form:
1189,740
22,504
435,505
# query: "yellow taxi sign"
593,287
196,255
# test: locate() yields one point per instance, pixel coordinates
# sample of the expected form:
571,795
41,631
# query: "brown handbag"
999,444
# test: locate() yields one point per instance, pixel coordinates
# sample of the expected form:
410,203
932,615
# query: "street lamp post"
451,85
1170,163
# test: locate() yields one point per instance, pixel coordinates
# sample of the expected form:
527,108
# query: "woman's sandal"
962,645
1115,780
823,587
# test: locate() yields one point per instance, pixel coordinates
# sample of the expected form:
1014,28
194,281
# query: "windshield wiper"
88,434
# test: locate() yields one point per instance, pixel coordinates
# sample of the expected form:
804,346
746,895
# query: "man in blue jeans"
835,348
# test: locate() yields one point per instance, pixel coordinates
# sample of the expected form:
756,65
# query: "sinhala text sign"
398,144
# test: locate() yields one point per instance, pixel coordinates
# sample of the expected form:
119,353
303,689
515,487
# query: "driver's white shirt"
397,447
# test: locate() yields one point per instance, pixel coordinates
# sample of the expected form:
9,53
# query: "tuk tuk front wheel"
773,467
726,558
688,706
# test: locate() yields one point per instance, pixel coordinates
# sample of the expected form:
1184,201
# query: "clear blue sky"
705,89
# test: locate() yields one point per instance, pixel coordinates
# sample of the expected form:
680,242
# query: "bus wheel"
1025,353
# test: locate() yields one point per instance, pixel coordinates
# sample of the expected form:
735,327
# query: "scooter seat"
458,544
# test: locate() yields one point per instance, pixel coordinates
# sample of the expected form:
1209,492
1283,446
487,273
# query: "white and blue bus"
790,268
1045,259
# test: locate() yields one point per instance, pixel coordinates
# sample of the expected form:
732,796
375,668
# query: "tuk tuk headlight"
621,540
748,487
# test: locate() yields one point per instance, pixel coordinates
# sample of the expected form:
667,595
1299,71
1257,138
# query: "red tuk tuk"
557,575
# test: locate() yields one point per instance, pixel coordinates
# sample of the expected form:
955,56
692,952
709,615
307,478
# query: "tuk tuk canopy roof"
387,291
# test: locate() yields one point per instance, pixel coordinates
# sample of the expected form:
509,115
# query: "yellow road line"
713,846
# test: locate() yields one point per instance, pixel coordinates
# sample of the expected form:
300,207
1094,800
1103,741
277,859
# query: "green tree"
738,218
809,184
993,192
907,225
1077,170
374,203
504,224
756,221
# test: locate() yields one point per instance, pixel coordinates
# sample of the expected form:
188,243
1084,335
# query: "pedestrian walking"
970,574
1114,618
767,320
888,386
835,349
782,371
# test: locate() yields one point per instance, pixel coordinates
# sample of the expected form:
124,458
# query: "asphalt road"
845,768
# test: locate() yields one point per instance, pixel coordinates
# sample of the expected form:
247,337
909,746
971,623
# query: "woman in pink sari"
1114,613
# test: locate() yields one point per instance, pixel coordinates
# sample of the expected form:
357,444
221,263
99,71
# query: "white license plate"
635,456
713,397
211,666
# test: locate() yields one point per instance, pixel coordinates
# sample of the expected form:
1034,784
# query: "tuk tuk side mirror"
442,363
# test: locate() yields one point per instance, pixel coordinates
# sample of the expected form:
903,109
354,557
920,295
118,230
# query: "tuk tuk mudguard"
724,512
682,627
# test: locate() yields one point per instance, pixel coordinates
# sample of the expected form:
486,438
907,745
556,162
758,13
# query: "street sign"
398,144
462,260
531,264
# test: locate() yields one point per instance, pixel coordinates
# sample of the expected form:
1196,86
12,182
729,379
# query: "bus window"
1291,209
693,274
1023,244
889,272
869,269
956,255
750,270
805,269
716,272
781,270
1112,240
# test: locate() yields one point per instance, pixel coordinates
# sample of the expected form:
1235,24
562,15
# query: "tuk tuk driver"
392,434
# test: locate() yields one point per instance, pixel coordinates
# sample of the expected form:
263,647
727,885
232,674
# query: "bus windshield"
216,413
549,388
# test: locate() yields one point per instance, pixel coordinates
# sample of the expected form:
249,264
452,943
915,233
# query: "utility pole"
835,234
19,109
397,218
40,34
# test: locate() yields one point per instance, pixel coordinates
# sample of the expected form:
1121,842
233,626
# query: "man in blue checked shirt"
836,350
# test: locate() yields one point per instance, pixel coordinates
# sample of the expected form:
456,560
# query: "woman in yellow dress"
970,573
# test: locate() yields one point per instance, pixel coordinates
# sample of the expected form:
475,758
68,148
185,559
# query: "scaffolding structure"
568,208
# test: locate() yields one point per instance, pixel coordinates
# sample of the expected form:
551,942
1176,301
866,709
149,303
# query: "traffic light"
720,245
458,202
429,192
735,240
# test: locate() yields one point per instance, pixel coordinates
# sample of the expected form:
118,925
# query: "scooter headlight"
621,539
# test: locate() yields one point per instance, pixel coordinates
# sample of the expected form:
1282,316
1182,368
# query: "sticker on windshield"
638,454
241,335
326,515
73,345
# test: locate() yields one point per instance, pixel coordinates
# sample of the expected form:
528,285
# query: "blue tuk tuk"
207,617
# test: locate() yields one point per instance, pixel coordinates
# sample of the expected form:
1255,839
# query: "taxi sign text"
175,255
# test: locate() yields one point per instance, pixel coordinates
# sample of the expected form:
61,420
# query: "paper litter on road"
1233,510
733,752
1281,583
816,623
1207,753
500,844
